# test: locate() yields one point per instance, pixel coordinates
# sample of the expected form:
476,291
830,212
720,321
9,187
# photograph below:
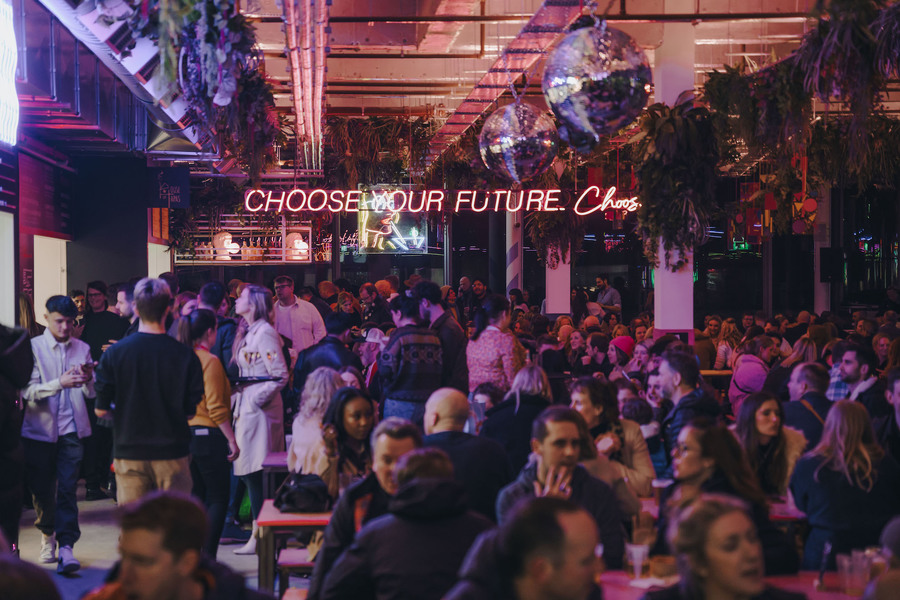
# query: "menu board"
44,198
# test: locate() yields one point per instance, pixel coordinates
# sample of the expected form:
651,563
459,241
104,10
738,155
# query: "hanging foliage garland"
375,149
207,54
677,156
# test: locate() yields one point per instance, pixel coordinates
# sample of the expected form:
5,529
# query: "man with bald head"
479,464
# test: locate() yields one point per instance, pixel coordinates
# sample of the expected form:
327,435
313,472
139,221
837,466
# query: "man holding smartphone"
56,420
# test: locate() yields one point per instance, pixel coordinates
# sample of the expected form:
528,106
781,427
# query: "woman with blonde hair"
729,339
575,348
847,486
307,451
256,401
718,553
509,422
881,344
349,305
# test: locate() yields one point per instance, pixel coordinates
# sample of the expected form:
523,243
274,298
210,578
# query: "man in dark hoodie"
557,443
679,376
161,546
415,551
367,499
544,551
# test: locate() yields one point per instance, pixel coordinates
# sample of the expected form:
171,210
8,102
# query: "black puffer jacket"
412,553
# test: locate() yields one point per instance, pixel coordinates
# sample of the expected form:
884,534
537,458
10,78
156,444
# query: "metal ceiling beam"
520,55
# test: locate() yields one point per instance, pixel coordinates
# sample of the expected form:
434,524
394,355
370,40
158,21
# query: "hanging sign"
585,202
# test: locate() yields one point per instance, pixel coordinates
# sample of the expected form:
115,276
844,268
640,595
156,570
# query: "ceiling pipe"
322,20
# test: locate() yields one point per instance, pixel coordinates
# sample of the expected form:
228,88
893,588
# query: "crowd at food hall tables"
467,444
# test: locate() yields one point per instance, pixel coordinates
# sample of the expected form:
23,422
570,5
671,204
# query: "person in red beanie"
620,350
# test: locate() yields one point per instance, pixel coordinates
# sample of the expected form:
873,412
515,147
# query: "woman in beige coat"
619,440
257,407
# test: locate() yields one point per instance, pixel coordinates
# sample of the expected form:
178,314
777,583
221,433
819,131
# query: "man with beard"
557,444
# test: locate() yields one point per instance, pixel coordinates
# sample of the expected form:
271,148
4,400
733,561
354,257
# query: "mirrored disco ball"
518,141
596,82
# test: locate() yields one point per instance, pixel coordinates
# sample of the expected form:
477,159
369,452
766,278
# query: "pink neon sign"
318,200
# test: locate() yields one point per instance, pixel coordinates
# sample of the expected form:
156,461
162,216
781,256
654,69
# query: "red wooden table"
274,524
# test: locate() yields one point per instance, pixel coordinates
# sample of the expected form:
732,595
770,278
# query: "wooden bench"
292,561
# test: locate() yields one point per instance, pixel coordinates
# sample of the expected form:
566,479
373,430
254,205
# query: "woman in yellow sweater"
213,445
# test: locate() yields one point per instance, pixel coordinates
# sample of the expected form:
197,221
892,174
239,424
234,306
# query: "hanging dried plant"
838,59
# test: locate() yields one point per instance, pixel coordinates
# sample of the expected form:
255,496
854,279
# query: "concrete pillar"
821,239
674,73
514,251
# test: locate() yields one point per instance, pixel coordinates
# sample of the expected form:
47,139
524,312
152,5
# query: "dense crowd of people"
472,446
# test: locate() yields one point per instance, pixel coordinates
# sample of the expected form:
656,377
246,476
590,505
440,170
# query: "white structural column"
514,251
673,73
559,282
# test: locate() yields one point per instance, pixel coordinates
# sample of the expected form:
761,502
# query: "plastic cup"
638,558
853,570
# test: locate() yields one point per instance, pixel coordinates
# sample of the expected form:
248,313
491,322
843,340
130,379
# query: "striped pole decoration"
513,251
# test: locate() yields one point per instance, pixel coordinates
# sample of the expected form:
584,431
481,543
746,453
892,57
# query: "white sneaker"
250,546
48,548
67,562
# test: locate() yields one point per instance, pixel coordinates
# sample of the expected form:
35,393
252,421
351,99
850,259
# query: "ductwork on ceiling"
65,94
72,79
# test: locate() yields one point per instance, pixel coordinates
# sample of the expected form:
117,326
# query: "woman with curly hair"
729,340
619,440
847,486
306,454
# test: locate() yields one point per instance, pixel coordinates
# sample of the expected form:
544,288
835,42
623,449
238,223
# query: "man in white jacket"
55,421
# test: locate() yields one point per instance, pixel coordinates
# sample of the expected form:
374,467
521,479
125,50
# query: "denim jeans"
255,490
51,471
211,473
412,411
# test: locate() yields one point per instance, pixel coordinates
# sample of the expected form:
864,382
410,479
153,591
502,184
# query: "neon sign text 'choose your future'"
588,201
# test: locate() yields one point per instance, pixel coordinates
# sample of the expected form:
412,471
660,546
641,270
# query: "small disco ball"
596,81
518,141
